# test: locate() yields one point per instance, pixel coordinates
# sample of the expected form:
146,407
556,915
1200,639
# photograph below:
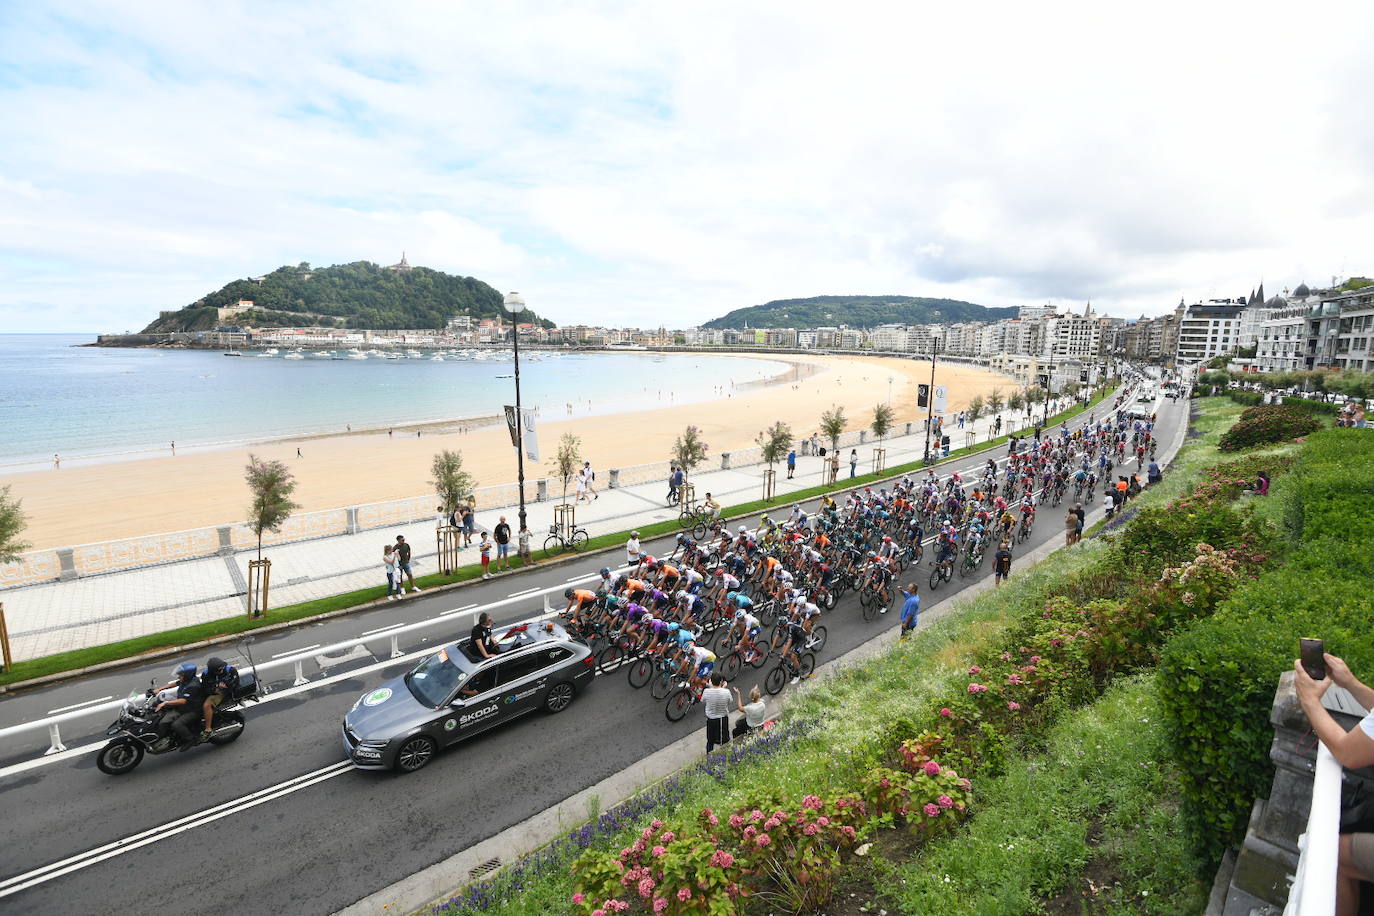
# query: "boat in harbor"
294,354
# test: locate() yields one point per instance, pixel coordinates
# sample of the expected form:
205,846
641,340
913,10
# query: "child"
485,547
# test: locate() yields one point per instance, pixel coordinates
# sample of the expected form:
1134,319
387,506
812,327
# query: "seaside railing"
65,563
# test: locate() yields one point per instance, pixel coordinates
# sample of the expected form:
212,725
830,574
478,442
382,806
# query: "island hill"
360,295
857,312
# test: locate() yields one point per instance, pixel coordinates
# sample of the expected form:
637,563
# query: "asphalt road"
275,823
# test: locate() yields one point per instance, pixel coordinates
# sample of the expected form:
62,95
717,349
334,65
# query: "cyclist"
710,506
579,599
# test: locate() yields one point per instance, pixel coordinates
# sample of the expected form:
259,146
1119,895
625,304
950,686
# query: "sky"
638,164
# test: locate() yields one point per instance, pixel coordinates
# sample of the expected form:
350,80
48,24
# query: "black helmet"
216,664
568,593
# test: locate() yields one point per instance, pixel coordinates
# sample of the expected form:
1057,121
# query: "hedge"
1219,674
1265,425
1323,408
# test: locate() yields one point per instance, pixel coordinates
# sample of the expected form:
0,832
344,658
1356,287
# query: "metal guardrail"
1314,885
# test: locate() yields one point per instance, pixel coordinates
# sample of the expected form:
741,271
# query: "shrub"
1264,425
1248,398
1321,408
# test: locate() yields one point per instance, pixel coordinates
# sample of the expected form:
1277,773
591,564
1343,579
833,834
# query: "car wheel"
560,697
414,754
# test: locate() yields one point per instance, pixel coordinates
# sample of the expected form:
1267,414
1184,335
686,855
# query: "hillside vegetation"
357,295
857,312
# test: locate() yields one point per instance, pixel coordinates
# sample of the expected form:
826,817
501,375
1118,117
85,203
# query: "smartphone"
1312,652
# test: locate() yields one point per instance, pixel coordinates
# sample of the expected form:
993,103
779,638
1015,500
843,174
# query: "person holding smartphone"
1352,749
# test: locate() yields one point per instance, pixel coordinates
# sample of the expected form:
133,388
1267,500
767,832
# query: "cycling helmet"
568,593
634,534
887,539
743,530
732,596
872,555
185,670
605,572
601,592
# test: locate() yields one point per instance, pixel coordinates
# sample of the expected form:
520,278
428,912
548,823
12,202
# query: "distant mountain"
857,312
357,295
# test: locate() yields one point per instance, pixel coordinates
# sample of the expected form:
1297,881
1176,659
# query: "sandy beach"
87,503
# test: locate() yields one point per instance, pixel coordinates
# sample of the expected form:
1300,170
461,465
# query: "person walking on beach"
502,535
393,581
853,462
403,562
298,452
485,548
591,479
56,462
791,463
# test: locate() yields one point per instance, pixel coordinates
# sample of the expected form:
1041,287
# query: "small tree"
976,406
882,420
12,522
1071,389
774,443
688,451
450,481
271,484
564,461
995,401
1015,401
832,425
1034,395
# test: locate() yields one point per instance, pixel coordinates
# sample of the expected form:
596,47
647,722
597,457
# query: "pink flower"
639,845
1035,659
705,812
578,898
736,821
842,803
648,832
931,767
847,831
668,837
811,801
1013,705
1014,679
931,809
823,821
1006,656
712,820
885,783
684,894
750,831
646,887
944,801
976,688
975,670
658,851
965,784
945,712
656,823
756,815
771,823
763,839
660,904
722,859
625,853
811,830
598,912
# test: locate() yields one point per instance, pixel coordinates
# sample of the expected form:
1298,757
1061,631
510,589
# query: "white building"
1282,338
1209,329
1073,336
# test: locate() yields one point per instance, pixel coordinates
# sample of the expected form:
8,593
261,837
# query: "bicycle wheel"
730,667
828,600
610,658
947,571
757,657
816,641
808,665
661,685
967,566
580,539
678,704
640,672
699,531
553,545
775,681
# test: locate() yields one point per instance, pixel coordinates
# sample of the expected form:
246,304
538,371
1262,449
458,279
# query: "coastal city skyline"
615,159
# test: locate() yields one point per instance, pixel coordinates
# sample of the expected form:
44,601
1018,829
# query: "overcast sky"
654,163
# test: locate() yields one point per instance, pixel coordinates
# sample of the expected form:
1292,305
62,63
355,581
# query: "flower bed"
1264,425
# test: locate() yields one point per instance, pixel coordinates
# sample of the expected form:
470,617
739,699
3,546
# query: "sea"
58,397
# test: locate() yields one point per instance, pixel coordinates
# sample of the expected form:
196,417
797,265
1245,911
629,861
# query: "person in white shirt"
716,700
591,479
753,711
632,550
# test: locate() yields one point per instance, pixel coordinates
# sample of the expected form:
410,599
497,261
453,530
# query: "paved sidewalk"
57,617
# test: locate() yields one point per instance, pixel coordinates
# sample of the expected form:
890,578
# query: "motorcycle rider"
182,711
218,681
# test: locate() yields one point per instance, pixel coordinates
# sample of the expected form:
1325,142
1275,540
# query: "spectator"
791,463
393,582
524,549
716,701
1262,484
1001,564
1109,504
485,548
469,524
752,719
853,462
1353,749
502,535
591,479
632,549
911,609
1082,514
403,563
674,485
1070,526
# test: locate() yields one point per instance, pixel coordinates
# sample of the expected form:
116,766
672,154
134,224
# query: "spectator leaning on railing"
1352,750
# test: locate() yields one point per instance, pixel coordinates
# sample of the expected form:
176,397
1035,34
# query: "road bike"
943,572
785,671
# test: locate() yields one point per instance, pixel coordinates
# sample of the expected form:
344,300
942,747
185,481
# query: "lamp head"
515,303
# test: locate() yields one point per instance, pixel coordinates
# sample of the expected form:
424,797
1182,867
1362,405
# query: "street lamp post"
930,397
515,304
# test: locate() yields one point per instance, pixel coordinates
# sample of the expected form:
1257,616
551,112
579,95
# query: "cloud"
637,164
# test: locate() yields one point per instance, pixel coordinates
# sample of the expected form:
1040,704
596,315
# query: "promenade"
60,616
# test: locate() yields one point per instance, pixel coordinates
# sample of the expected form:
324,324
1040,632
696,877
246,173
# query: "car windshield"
434,680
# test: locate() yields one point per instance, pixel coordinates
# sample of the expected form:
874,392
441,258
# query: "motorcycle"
134,733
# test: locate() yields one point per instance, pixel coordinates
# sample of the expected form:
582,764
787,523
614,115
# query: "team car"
456,694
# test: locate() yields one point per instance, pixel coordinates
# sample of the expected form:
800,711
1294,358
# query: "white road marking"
524,592
53,712
170,829
295,651
458,610
394,626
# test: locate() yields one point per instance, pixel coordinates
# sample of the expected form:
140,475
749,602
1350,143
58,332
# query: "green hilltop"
857,312
356,295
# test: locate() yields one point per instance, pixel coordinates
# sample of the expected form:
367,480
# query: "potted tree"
270,484
12,523
832,427
687,453
774,443
882,425
454,485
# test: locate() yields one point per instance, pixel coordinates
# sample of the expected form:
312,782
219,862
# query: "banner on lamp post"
941,398
525,432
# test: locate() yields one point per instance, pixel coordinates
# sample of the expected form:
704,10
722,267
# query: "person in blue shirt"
911,608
